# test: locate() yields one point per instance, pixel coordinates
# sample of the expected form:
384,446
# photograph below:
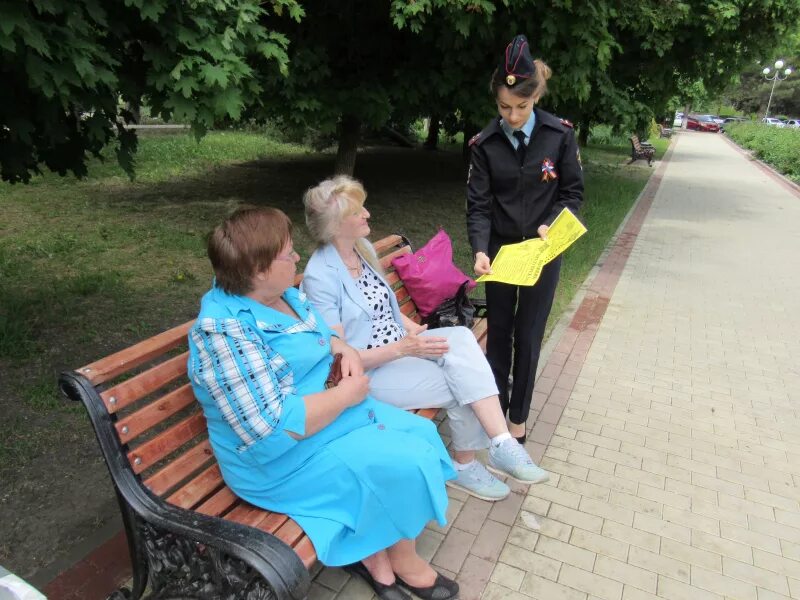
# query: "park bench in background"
664,132
188,534
641,150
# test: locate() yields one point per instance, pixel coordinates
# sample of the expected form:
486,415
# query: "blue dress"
372,477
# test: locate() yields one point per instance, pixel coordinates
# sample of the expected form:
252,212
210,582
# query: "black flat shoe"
521,439
442,589
384,592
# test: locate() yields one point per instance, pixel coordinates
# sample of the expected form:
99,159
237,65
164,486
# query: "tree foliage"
67,67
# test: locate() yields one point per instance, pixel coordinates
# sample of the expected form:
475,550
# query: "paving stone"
530,562
544,589
472,515
599,544
597,585
332,578
453,550
506,510
565,552
473,577
495,591
723,585
660,564
428,543
642,579
490,540
507,576
677,590
319,592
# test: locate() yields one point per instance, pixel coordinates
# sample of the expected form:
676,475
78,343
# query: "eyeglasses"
293,256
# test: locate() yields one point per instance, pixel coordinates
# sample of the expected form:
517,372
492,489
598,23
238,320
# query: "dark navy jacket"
507,203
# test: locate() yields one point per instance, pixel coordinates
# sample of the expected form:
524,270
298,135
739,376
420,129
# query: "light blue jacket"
334,293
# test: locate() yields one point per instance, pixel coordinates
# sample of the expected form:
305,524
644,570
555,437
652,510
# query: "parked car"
716,119
677,121
793,123
773,122
702,123
734,120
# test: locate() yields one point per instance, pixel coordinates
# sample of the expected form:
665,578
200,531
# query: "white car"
793,123
773,121
677,121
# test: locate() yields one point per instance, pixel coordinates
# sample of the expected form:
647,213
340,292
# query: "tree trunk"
686,110
349,130
432,141
583,133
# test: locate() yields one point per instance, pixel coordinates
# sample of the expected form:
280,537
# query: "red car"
702,123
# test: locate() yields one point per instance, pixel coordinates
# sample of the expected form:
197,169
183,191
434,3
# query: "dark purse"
335,375
455,311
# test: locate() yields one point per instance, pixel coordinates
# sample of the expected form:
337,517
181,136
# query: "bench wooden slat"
305,550
480,329
384,244
428,413
219,503
166,442
180,468
111,366
198,488
401,294
386,261
290,532
144,383
408,309
392,278
247,514
272,522
154,413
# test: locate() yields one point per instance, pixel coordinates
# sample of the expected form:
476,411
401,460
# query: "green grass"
778,147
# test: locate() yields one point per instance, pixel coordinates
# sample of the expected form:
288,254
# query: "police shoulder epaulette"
567,123
474,138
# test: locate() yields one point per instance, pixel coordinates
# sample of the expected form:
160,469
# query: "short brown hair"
526,87
246,243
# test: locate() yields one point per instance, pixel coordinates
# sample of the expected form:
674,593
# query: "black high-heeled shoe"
443,588
384,592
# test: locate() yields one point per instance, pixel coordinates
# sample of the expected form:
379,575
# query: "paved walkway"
669,413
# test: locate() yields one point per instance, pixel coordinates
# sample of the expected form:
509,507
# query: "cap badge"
511,79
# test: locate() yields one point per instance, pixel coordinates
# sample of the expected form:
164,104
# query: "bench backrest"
162,431
636,143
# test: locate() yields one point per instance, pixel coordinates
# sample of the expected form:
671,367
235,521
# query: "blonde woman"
408,366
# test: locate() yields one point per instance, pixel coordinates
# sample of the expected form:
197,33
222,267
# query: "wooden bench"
664,132
641,150
188,533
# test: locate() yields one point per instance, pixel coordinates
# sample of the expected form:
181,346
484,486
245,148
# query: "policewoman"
524,169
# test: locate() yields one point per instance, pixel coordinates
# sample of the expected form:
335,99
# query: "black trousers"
517,319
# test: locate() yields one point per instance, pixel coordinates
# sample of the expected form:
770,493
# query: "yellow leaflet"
521,264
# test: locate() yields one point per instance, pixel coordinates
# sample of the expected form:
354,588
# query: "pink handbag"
430,275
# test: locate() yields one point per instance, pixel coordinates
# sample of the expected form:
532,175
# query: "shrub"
778,147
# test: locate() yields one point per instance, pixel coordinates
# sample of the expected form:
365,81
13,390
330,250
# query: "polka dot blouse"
385,329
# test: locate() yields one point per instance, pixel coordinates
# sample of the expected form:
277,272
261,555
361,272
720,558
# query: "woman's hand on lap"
423,347
354,388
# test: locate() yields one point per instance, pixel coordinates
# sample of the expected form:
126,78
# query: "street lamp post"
775,79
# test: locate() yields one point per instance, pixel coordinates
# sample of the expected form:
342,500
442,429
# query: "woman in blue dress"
360,477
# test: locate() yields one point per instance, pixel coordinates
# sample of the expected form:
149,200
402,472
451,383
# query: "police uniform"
507,201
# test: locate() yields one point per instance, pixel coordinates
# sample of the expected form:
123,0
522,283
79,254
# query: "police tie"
521,147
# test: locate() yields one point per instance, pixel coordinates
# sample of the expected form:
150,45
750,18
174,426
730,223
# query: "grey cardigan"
334,293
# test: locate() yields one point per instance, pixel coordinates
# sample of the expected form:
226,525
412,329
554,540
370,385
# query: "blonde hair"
328,203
